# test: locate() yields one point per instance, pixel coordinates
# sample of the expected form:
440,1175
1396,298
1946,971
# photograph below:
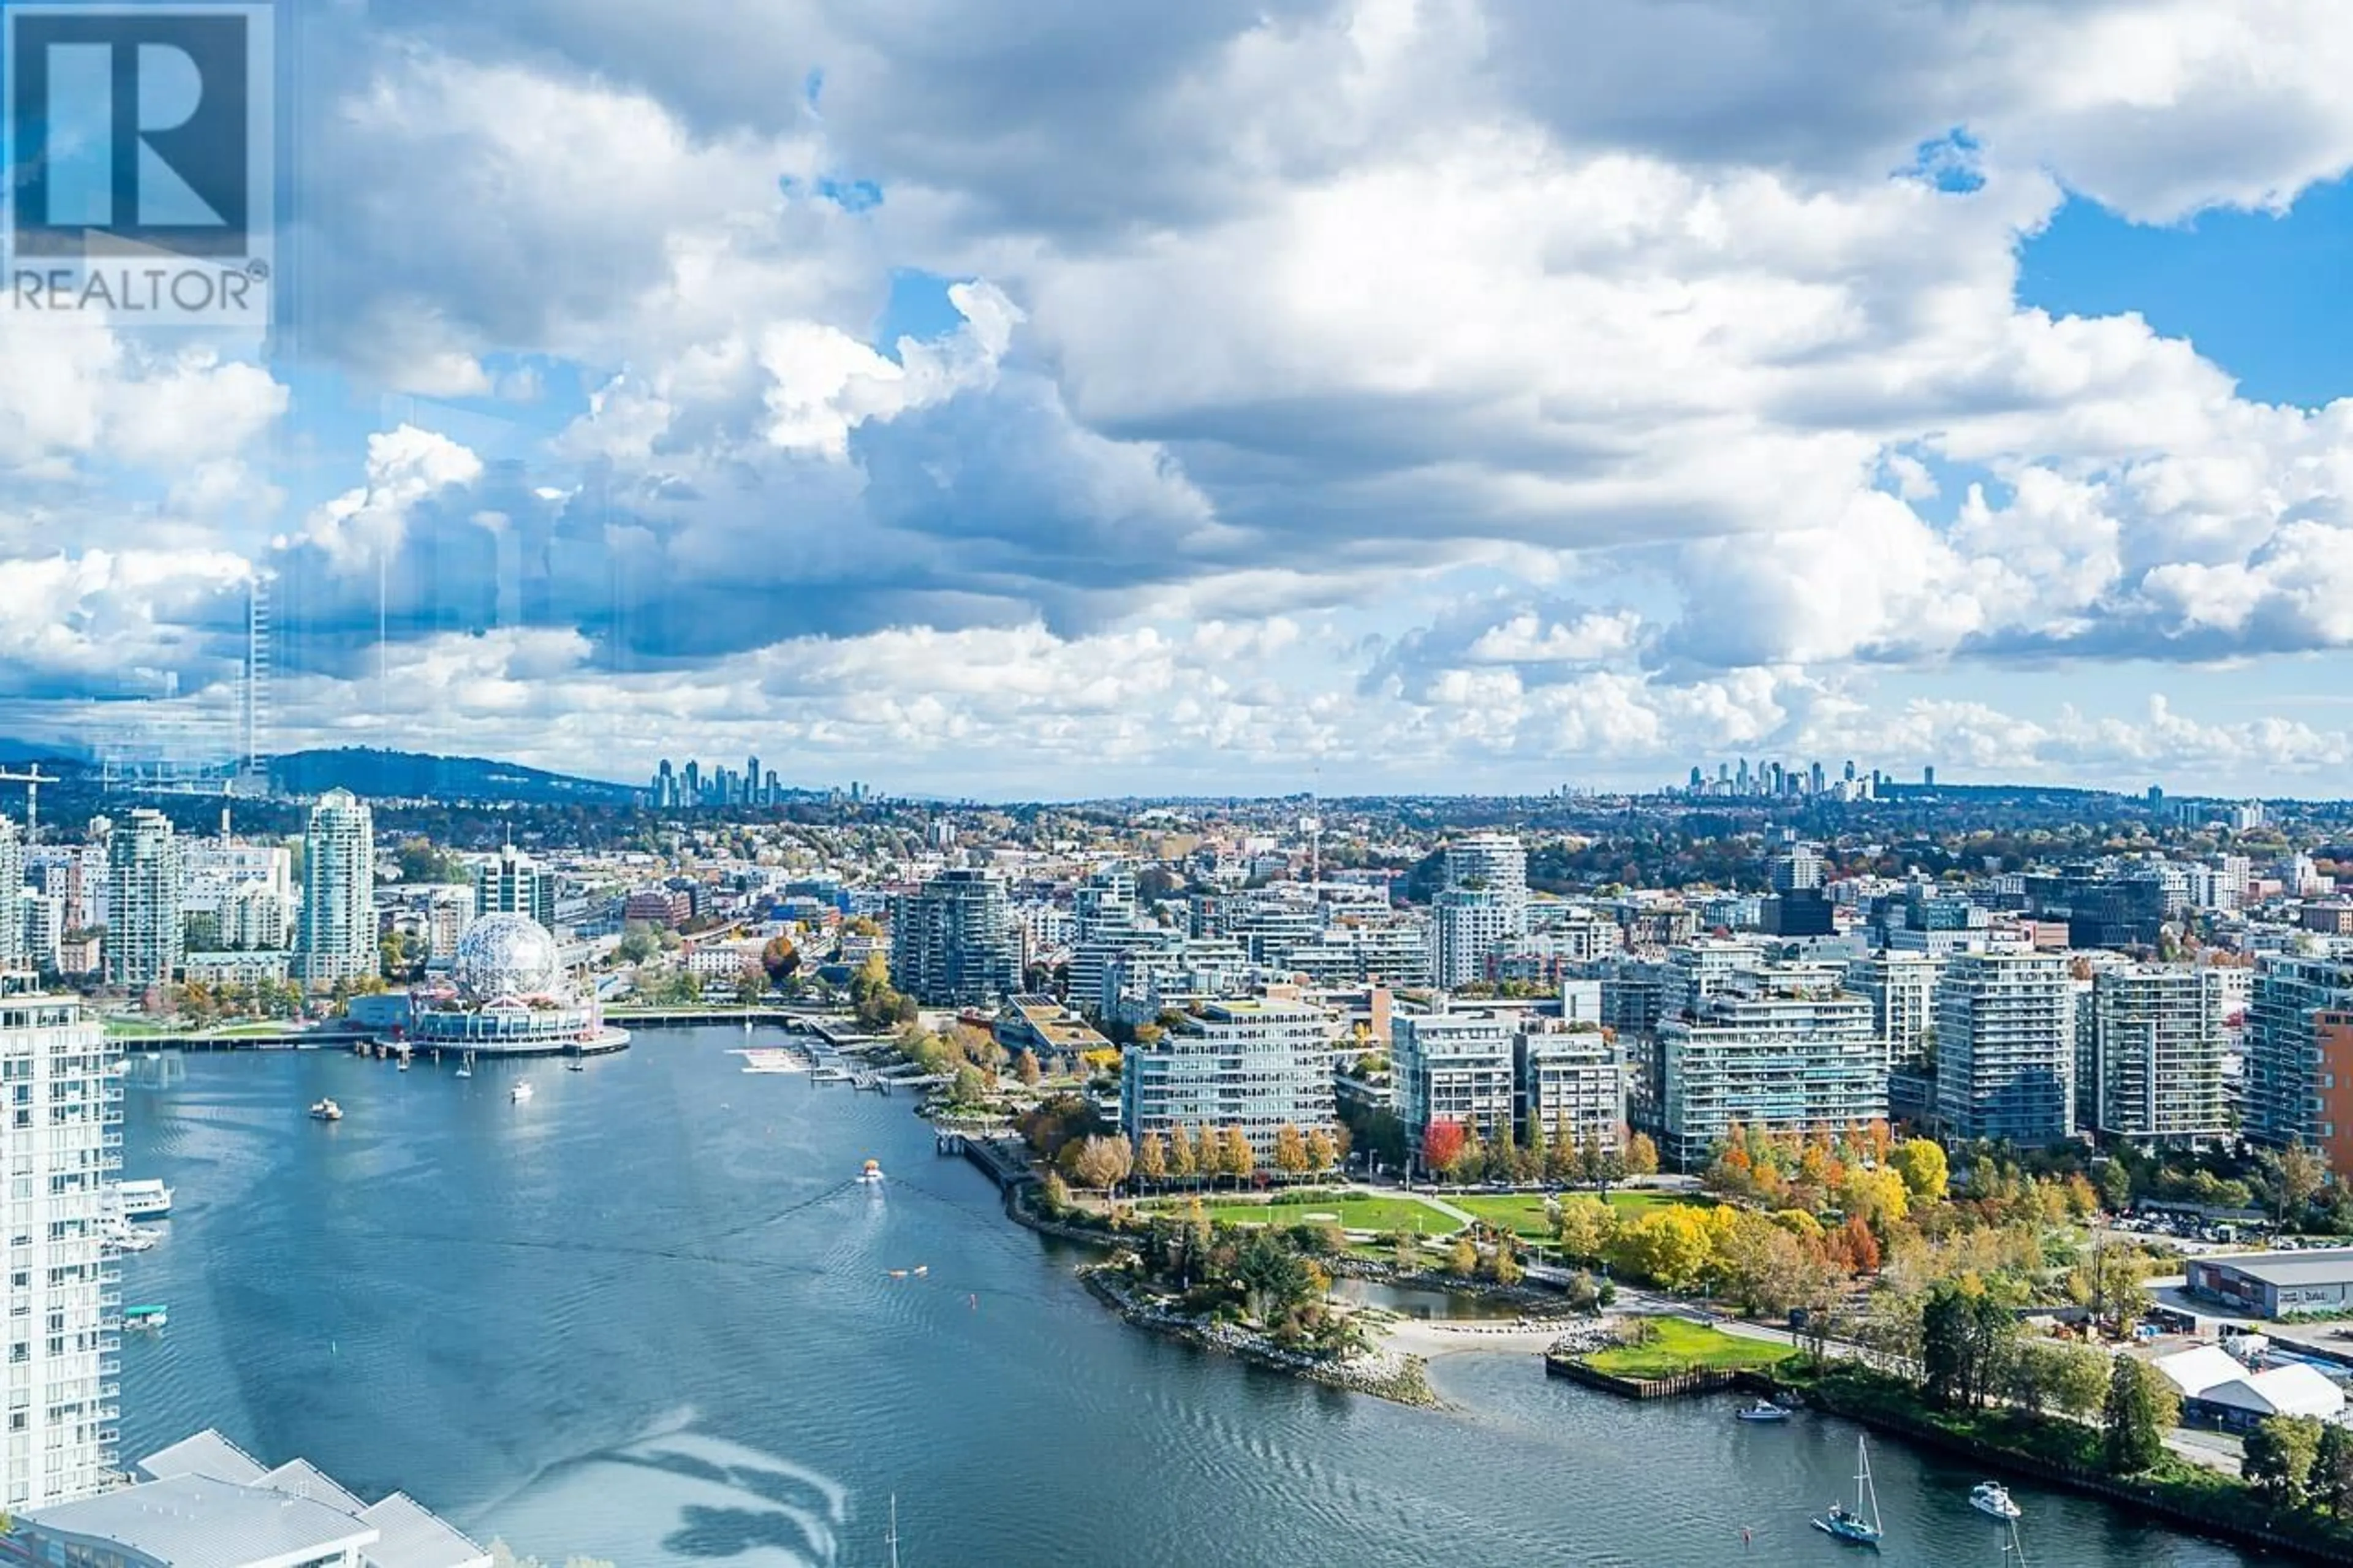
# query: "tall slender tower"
335,938
12,887
253,706
143,901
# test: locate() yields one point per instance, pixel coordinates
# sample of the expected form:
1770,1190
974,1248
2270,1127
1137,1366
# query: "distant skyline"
1461,396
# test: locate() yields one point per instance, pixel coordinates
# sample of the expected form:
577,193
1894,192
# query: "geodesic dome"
507,957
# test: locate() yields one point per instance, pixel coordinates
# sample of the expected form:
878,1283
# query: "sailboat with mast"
1859,1525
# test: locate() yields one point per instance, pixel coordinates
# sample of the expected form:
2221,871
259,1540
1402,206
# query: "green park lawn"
1679,1345
1524,1215
1356,1212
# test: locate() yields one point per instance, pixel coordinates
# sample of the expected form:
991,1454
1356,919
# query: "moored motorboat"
1993,1498
126,1236
1762,1410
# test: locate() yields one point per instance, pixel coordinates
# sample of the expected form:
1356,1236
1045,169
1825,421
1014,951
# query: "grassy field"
1524,1213
1355,1212
1681,1346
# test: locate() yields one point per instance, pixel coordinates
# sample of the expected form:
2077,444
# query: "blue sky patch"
2262,295
1949,163
918,307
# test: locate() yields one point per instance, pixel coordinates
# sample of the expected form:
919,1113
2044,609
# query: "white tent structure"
2217,1387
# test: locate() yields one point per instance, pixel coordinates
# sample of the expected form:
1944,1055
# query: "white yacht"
522,1092
326,1111
1993,1498
144,1200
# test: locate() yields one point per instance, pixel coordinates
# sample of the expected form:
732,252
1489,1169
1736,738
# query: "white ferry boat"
144,1200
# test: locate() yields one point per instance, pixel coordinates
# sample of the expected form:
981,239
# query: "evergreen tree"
2141,1406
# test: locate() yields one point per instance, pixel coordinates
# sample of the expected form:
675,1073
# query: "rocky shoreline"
1383,1373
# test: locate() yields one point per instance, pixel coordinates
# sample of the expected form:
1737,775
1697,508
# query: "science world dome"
507,955
510,995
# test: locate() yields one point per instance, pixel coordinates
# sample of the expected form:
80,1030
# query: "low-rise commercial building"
2276,1284
1045,1028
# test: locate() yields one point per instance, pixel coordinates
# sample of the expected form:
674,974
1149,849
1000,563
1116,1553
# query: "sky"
1101,397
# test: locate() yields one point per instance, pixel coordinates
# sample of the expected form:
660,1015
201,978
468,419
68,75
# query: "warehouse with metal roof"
2276,1284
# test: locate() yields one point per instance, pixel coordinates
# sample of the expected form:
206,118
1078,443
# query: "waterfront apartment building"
952,943
2006,1047
1482,904
1455,1065
1572,1084
64,1142
2299,1054
335,934
2154,1075
1259,1063
1779,1047
1902,989
515,884
143,939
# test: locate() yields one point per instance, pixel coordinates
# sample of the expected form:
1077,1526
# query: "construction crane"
32,780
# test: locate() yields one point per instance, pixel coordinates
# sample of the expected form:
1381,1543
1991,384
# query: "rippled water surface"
648,1316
